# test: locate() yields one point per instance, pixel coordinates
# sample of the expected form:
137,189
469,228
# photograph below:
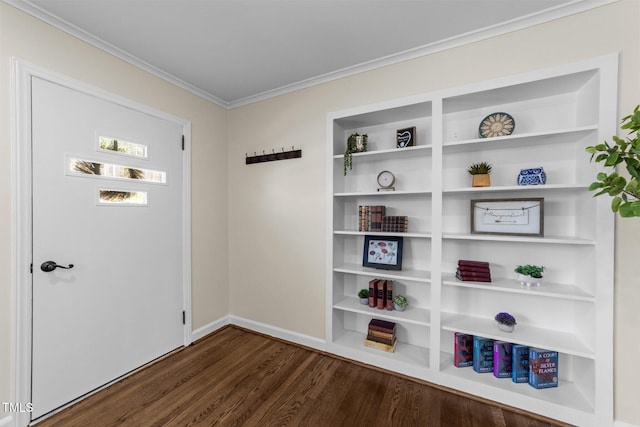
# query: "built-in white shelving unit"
558,112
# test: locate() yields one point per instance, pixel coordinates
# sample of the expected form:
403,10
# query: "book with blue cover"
543,368
520,364
482,354
502,359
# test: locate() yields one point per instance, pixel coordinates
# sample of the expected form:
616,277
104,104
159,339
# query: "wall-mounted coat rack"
273,156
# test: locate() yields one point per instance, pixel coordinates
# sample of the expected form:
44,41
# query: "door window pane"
123,147
110,170
120,197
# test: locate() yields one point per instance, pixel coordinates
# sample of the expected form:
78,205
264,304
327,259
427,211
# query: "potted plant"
626,195
480,172
363,294
506,322
400,303
529,274
356,143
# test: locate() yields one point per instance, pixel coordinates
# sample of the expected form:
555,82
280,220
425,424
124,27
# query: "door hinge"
184,317
182,142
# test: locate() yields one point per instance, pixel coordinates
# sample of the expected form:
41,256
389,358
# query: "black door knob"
48,266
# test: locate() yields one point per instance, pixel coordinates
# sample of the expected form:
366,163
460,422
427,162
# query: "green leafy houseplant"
480,168
400,302
530,270
626,195
353,147
363,293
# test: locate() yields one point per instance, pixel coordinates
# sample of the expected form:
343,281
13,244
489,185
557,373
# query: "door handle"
48,266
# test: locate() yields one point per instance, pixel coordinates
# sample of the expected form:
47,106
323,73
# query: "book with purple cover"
502,359
463,350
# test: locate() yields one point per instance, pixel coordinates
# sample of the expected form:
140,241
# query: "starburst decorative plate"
497,124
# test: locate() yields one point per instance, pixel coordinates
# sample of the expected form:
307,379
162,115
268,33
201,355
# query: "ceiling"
237,51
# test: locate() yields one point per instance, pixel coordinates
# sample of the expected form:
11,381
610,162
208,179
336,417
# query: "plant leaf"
615,203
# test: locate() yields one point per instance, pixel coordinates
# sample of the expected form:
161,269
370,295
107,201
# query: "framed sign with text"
516,217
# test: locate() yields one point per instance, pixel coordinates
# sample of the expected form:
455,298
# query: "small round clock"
386,180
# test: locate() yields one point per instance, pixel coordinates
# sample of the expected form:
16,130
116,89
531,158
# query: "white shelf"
554,290
384,193
520,239
567,394
532,336
415,315
382,233
392,152
530,138
522,188
404,353
406,274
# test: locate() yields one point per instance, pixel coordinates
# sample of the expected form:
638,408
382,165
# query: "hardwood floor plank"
236,378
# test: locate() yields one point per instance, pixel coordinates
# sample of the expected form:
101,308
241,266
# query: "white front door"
107,198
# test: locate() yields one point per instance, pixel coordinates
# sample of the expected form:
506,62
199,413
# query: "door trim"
21,215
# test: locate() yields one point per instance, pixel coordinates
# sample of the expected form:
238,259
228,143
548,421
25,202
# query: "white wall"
30,40
276,210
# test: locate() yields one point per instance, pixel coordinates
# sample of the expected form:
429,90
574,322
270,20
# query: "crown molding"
571,8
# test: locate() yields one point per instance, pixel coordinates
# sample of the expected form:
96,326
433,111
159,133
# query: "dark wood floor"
235,377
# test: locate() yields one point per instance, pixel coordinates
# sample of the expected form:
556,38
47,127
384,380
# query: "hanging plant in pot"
481,174
356,143
506,322
529,274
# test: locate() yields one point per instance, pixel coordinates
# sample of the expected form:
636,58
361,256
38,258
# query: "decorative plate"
496,124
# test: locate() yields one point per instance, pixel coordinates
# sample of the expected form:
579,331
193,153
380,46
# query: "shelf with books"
416,315
557,113
526,334
568,395
553,290
416,235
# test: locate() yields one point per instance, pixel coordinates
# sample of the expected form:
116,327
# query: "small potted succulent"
363,294
481,174
356,143
506,322
529,274
400,303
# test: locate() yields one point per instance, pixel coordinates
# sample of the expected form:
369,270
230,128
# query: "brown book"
382,325
389,292
473,263
373,293
474,269
471,274
381,294
388,341
380,334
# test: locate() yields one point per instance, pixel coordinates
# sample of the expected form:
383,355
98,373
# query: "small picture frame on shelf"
406,137
383,252
514,217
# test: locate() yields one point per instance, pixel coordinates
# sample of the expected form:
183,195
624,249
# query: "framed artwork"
516,217
384,252
406,137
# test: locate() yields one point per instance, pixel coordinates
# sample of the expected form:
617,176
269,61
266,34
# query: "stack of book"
370,218
473,271
395,224
381,294
381,335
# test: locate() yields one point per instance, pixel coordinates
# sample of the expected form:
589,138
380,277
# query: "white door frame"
21,220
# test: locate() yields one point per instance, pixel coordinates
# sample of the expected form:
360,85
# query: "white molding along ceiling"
235,52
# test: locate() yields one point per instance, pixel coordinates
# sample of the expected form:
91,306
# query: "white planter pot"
364,301
506,328
398,308
528,280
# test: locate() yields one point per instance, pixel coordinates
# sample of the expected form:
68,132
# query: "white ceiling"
237,51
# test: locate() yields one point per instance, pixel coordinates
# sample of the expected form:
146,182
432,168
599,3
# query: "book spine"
463,350
388,341
373,293
465,268
543,368
482,354
502,359
380,334
520,364
389,292
473,263
382,325
381,346
381,294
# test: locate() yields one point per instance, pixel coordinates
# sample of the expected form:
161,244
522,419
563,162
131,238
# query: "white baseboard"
284,334
623,424
209,328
